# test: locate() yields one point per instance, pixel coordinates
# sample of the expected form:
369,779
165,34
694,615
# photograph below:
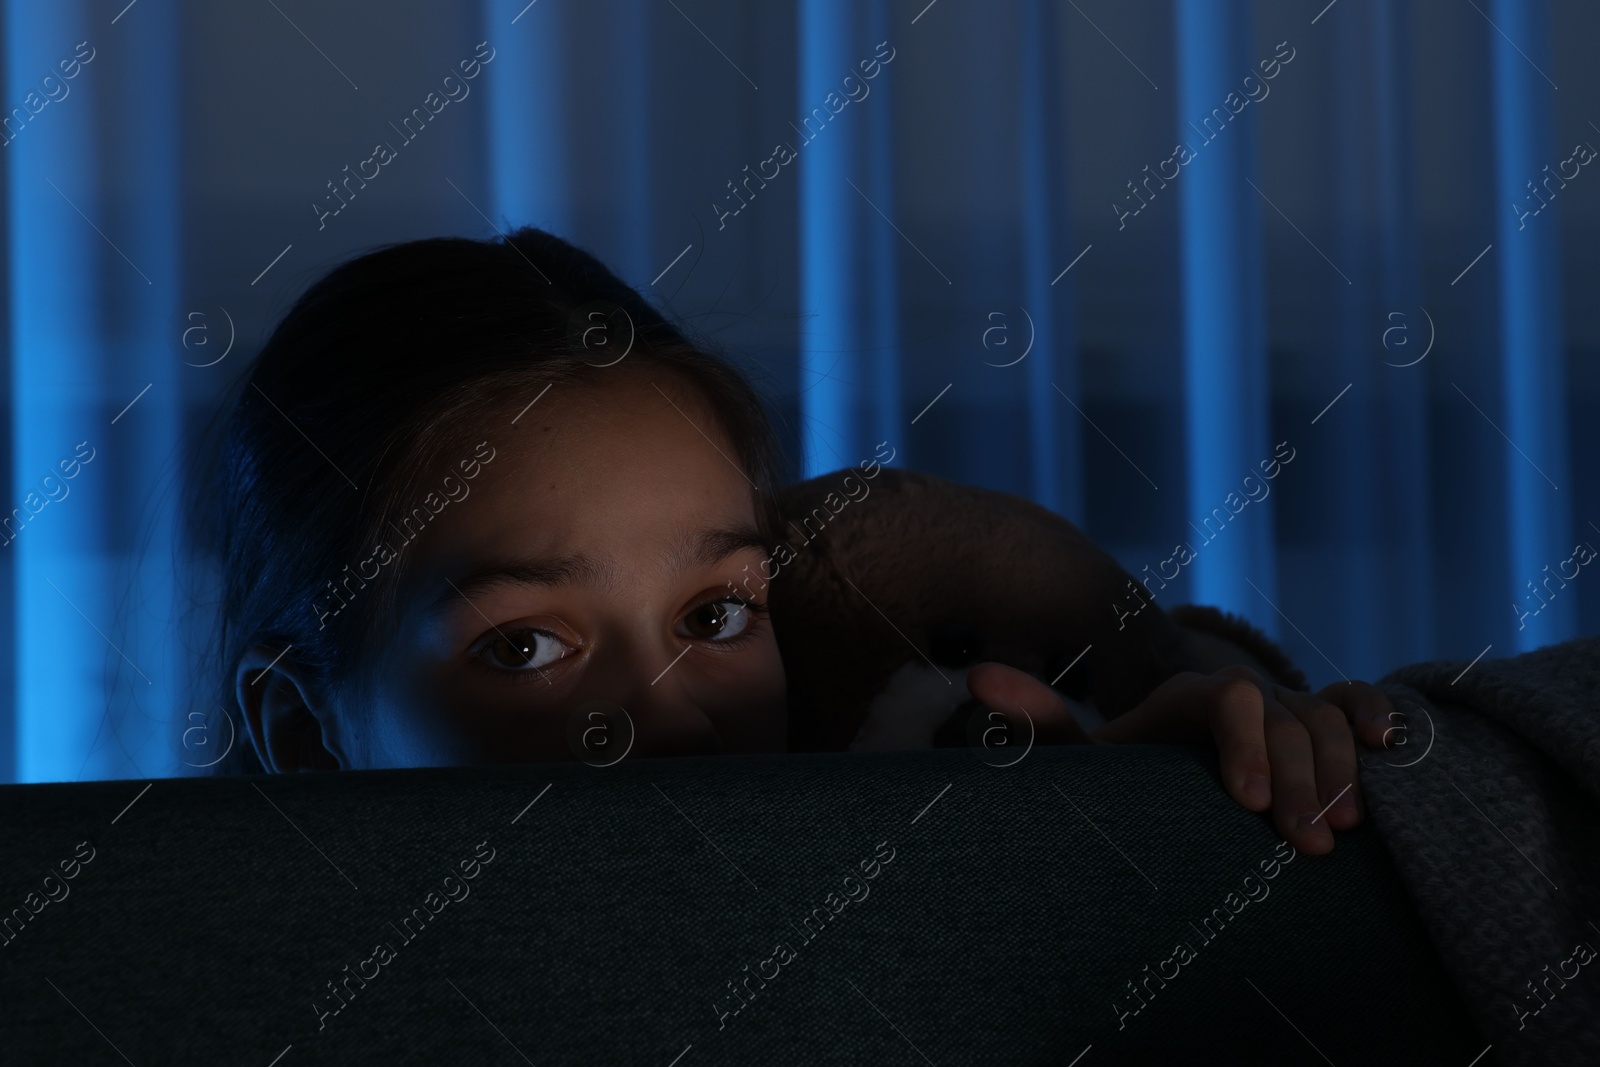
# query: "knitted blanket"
1490,806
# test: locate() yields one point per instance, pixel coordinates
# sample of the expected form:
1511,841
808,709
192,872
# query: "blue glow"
1409,570
528,176
54,278
844,322
1057,461
827,274
637,258
145,689
887,409
93,325
1531,369
1225,372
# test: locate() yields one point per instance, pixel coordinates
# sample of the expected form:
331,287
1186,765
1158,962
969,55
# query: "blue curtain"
1225,375
1346,244
94,271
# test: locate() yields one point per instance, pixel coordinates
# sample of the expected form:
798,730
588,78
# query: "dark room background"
1113,255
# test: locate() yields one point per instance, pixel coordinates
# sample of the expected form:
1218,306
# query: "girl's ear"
290,729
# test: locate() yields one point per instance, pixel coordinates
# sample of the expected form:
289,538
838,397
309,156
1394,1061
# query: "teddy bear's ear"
888,570
881,585
1213,639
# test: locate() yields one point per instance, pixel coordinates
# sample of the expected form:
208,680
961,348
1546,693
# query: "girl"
475,495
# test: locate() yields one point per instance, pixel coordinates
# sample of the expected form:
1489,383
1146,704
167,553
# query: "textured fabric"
1491,809
985,916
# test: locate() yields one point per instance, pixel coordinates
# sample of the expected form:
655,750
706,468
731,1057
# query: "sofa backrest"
851,908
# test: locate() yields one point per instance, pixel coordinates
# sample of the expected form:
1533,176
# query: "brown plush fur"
1228,635
881,565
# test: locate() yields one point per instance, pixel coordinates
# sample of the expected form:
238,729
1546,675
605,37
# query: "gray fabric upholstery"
617,908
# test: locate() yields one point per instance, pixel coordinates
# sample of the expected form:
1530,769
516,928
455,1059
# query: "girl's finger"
1175,712
1237,718
1029,707
1368,708
1334,754
1225,709
1295,809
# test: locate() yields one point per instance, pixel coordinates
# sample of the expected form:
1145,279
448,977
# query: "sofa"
1083,905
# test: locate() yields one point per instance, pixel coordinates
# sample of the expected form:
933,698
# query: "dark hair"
375,380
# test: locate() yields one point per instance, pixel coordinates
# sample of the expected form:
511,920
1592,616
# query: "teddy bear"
887,584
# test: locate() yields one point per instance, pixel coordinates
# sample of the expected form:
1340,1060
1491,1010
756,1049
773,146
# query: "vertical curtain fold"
529,170
1403,526
1532,363
58,395
1225,371
848,345
1374,440
146,339
96,276
1055,446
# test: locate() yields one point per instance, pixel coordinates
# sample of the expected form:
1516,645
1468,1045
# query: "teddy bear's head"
888,584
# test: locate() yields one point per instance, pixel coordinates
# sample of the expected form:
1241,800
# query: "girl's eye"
523,650
718,620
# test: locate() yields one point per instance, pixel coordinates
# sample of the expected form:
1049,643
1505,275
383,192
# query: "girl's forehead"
614,475
646,427
633,405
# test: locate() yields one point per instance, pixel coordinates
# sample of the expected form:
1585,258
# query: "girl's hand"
1293,752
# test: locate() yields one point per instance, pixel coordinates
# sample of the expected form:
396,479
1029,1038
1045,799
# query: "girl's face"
585,570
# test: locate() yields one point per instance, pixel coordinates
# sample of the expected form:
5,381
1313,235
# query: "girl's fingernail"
1257,789
1311,824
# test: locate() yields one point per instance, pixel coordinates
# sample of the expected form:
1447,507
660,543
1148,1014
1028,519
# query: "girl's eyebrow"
705,548
528,571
